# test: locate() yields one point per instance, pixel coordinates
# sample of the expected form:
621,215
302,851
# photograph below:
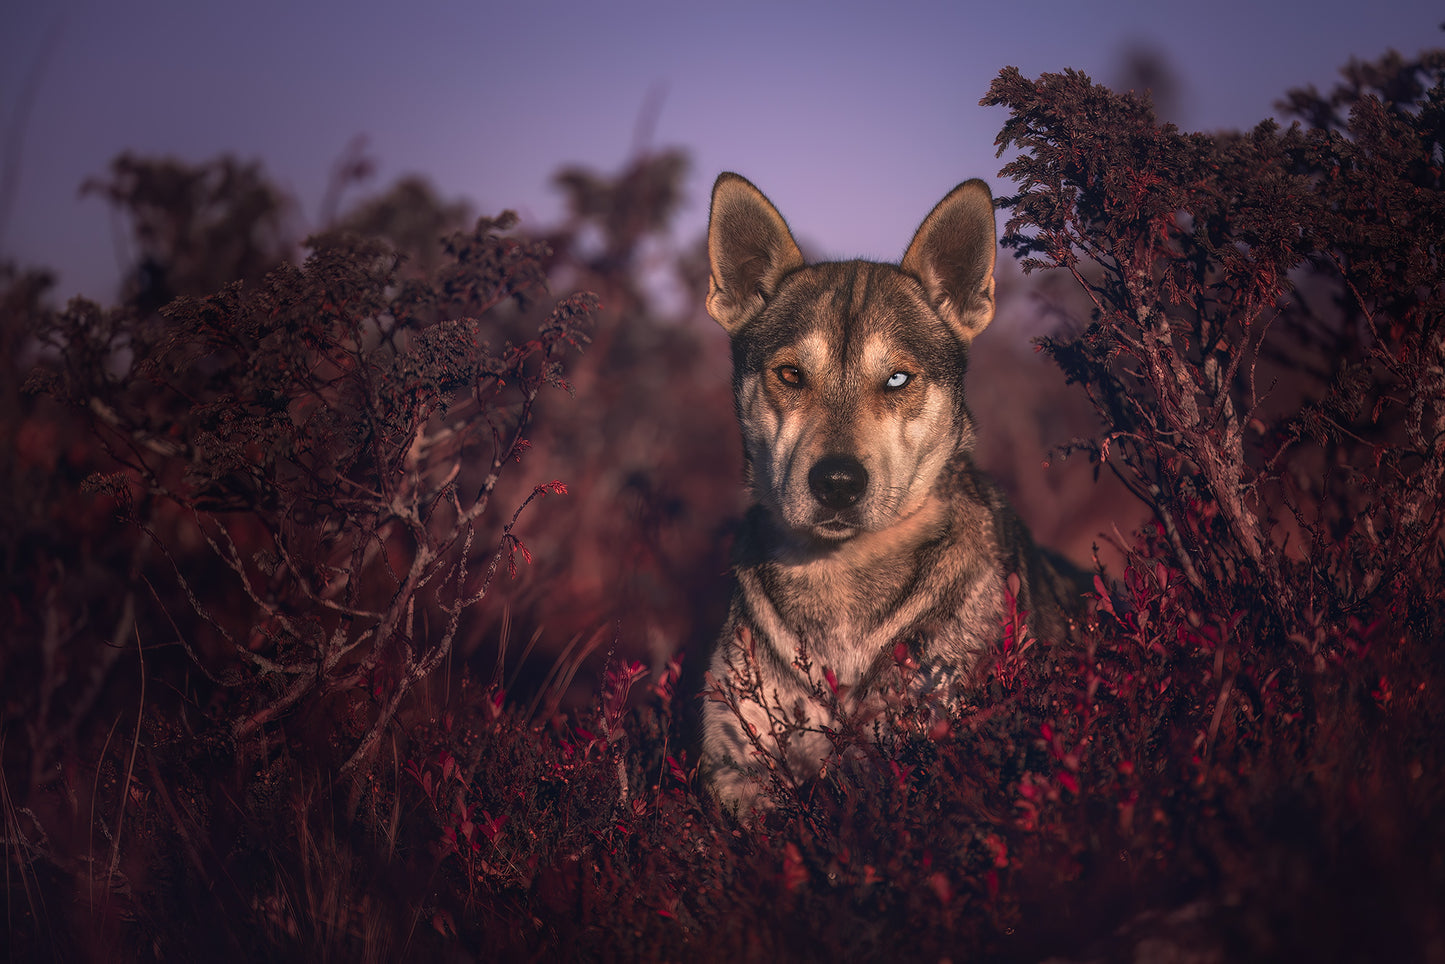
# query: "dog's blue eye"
898,379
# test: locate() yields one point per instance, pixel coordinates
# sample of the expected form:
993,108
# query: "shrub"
312,431
1235,756
1265,352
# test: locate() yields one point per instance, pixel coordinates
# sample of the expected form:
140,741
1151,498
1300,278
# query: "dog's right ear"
749,250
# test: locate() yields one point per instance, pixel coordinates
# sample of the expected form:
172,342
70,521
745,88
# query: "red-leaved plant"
1235,756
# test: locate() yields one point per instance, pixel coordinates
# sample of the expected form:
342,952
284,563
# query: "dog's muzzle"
838,481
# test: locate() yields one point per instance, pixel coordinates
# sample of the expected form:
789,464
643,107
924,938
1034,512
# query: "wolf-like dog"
871,527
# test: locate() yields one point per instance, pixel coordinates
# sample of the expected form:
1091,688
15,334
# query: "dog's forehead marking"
862,285
812,349
831,312
878,352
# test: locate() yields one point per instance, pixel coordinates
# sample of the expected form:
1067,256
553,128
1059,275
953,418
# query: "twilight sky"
854,117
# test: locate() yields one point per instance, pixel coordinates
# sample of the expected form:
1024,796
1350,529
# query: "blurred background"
853,117
603,126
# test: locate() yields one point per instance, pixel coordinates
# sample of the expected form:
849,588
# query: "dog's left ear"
953,255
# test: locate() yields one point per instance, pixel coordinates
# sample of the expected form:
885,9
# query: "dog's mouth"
834,529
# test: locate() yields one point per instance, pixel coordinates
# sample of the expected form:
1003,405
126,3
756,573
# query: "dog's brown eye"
898,379
790,375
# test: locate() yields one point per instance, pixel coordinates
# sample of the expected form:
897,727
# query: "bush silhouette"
263,690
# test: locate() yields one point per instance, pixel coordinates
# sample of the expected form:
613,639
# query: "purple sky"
855,118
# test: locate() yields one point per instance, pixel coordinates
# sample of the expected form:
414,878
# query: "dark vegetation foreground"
337,630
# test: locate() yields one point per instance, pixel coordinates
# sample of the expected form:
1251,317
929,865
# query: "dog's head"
848,376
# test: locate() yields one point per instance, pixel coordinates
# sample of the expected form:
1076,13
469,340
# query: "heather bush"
312,433
264,696
1264,349
304,469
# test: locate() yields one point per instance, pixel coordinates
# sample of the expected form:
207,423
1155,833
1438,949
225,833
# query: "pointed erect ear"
953,255
749,249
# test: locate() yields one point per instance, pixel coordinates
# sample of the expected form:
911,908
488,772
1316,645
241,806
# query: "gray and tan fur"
870,526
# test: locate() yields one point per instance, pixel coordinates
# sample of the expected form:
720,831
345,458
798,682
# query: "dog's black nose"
838,481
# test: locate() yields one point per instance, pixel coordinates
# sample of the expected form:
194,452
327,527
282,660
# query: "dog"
872,535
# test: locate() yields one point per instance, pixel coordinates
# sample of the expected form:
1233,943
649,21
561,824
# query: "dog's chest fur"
929,582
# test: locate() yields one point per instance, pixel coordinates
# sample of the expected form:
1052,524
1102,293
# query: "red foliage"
261,698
